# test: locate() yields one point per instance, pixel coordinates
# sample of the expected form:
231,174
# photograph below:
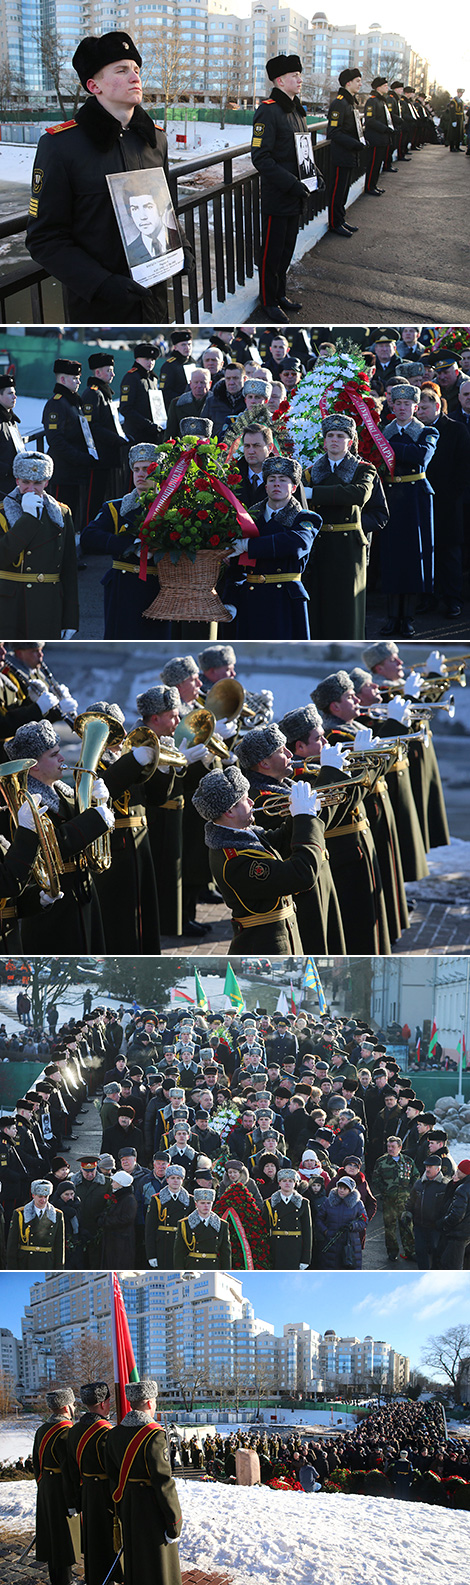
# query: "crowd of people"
229,1139
306,827
398,508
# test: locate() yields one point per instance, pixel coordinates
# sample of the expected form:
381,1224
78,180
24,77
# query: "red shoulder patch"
268,101
230,853
61,126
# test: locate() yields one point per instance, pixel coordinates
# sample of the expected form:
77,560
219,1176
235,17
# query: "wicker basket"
187,591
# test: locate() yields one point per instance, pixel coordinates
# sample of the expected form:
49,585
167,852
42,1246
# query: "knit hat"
201,427
94,1392
350,1184
332,688
341,422
122,1180
258,744
33,466
281,64
93,53
42,1186
217,655
299,723
383,649
31,740
138,1392
464,1166
144,451
281,467
106,1162
178,670
219,791
156,700
405,392
60,1398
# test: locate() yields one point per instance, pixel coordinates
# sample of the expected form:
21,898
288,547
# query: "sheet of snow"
450,861
17,1437
253,1533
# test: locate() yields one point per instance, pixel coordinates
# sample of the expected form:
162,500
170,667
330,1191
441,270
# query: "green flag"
201,997
232,989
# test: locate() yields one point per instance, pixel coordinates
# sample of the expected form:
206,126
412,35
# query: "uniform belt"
89,1476
407,478
202,1255
347,831
288,912
167,1229
334,528
133,822
130,566
31,577
8,913
289,1233
174,803
134,1481
68,869
273,577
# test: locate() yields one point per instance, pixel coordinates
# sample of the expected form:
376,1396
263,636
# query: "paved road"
409,259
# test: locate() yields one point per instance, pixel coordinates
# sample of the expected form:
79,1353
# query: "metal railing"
222,224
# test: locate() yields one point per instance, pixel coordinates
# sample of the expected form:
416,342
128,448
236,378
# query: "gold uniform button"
40,577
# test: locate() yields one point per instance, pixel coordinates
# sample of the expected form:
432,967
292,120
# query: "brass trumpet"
198,727
14,788
329,795
142,737
94,730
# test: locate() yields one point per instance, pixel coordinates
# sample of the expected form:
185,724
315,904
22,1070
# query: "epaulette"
62,126
339,96
57,397
268,101
230,853
172,359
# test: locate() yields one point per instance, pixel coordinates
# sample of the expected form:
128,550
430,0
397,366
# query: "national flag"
462,1051
282,1003
312,982
295,998
178,995
125,1368
433,1040
201,997
418,1050
232,989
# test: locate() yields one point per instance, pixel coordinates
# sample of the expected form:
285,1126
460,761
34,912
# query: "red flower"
185,512
200,484
221,506
233,478
214,539
202,515
174,535
153,467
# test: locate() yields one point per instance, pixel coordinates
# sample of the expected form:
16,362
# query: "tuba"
94,730
47,865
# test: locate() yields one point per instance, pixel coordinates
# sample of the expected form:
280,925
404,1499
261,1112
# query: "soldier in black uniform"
73,232
54,1544
146,1502
10,438
100,405
89,1487
176,370
378,128
70,441
395,105
141,406
283,195
346,138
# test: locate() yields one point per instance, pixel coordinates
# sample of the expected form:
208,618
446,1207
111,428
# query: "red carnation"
214,539
185,511
200,484
202,515
221,506
174,535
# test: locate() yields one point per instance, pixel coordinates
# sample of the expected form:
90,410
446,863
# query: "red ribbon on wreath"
383,445
171,485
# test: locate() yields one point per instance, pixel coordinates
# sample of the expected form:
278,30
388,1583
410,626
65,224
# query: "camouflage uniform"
392,1180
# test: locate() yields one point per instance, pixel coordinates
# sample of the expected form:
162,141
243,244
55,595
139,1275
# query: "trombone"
47,867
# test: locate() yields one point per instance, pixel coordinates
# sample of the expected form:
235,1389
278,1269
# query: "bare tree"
54,52
8,1396
447,1352
8,85
90,1359
170,69
261,1380
191,1380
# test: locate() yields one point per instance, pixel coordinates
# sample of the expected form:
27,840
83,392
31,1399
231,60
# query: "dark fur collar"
286,103
320,470
104,130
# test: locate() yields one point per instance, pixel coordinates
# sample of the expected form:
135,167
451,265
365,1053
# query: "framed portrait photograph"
148,225
305,160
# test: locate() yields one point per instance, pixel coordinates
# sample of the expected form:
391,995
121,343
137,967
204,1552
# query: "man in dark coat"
407,541
100,406
86,1474
427,1203
73,231
38,563
225,400
54,1544
120,1212
147,1504
189,404
277,121
175,371
10,438
270,597
70,441
379,132
346,139
289,1224
90,1186
141,402
455,1222
337,576
448,474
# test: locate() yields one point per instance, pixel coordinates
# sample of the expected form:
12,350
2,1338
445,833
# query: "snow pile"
452,861
252,1533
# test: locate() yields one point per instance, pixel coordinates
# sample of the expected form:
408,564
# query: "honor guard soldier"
87,1477
175,372
397,112
277,121
114,532
202,1238
346,139
70,441
165,1211
101,408
37,1232
256,884
143,1491
38,562
378,128
289,1224
73,231
141,402
54,1543
10,438
453,123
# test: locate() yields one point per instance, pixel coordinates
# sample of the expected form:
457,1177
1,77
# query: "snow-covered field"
332,1540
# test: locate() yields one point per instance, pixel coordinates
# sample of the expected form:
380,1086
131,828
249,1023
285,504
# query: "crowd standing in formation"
384,508
306,827
229,1139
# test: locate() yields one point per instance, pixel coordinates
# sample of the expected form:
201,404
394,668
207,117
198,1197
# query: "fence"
223,226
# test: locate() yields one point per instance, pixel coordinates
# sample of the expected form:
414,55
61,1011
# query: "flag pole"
117,1390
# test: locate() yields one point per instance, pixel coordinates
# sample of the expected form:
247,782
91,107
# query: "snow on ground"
253,1532
450,861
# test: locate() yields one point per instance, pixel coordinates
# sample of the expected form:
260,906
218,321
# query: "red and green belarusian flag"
433,1040
125,1368
462,1051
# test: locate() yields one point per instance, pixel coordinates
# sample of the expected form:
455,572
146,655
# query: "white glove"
364,738
63,690
172,1539
46,701
107,815
47,901
153,1262
335,756
413,685
435,662
225,728
302,799
143,755
193,752
399,710
303,1267
72,1512
32,503
209,758
100,791
265,693
67,706
238,545
68,632
26,817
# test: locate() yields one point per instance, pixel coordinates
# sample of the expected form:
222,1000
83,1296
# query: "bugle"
14,788
329,795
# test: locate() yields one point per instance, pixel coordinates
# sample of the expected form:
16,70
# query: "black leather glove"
120,294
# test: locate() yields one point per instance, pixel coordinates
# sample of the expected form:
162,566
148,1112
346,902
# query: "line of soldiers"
306,856
106,1491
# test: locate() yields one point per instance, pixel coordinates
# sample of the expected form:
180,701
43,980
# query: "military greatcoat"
257,884
89,1484
38,569
148,1509
337,575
